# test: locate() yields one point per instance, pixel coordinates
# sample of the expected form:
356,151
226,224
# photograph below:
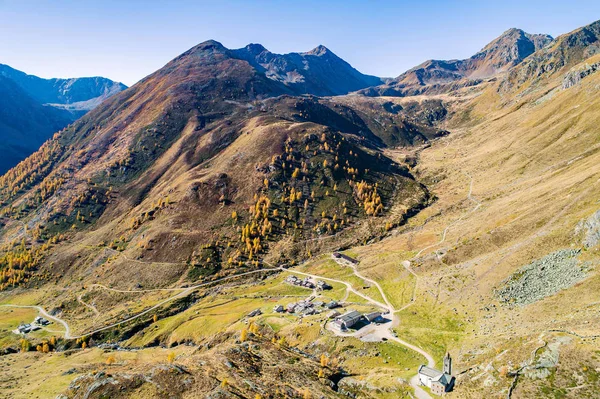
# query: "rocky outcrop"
590,229
574,76
166,380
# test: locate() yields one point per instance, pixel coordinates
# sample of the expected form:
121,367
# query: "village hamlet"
37,324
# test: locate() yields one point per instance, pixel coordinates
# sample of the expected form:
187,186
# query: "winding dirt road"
445,232
383,331
46,315
182,294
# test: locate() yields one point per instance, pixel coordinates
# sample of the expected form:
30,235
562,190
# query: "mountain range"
34,108
168,218
150,142
503,53
64,92
319,72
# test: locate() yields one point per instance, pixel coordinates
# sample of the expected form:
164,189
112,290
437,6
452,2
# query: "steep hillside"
435,76
506,261
514,259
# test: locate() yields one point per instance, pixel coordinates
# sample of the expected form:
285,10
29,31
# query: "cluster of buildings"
308,283
305,307
439,381
37,323
352,318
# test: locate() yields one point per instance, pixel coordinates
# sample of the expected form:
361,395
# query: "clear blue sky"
127,40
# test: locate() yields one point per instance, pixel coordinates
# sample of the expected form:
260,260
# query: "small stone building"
347,320
341,257
255,312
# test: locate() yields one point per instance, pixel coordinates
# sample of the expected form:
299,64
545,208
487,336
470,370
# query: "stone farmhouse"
340,257
347,320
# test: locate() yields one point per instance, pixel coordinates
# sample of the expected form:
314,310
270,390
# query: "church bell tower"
447,364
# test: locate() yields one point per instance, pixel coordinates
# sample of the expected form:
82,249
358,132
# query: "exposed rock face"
547,359
508,50
591,229
319,71
165,381
574,76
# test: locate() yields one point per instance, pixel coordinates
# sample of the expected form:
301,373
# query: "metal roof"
429,372
351,316
372,316
435,375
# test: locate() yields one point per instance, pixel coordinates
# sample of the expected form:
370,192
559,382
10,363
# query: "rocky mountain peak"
209,45
500,55
205,48
318,71
255,48
512,46
566,51
319,51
